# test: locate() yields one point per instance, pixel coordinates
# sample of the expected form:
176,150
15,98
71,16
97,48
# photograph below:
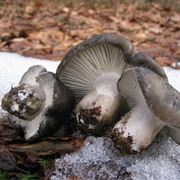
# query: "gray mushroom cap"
86,61
56,103
91,69
154,103
116,40
29,77
143,60
162,99
101,53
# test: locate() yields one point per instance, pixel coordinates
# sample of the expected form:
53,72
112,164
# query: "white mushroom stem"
30,127
102,102
163,100
137,129
175,134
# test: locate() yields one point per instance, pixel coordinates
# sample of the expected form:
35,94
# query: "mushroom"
40,104
92,69
154,103
143,60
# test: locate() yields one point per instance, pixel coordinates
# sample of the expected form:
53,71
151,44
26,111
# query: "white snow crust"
98,158
22,94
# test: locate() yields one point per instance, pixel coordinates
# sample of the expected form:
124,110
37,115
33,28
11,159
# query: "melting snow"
99,159
173,77
15,107
22,94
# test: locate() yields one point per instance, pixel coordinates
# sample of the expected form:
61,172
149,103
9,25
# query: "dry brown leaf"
48,147
7,160
164,61
51,28
48,36
8,133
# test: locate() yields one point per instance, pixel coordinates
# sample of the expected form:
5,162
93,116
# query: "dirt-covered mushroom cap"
40,104
91,69
154,103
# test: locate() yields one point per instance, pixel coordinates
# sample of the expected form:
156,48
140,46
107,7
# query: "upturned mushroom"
40,104
92,69
154,103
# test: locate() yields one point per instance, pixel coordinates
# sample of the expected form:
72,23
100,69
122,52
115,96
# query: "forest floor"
48,29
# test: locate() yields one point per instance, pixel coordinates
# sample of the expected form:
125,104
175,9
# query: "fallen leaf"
164,61
8,133
48,147
7,160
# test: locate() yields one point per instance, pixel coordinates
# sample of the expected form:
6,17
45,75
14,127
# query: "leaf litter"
47,30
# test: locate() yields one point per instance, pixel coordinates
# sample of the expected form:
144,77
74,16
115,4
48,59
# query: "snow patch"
173,77
15,107
99,159
161,161
96,160
22,94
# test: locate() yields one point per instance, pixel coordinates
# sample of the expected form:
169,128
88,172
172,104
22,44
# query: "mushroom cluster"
104,73
40,104
154,103
110,81
92,69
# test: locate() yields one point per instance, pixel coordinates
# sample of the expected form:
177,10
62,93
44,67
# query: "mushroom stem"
154,104
175,134
100,105
136,130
